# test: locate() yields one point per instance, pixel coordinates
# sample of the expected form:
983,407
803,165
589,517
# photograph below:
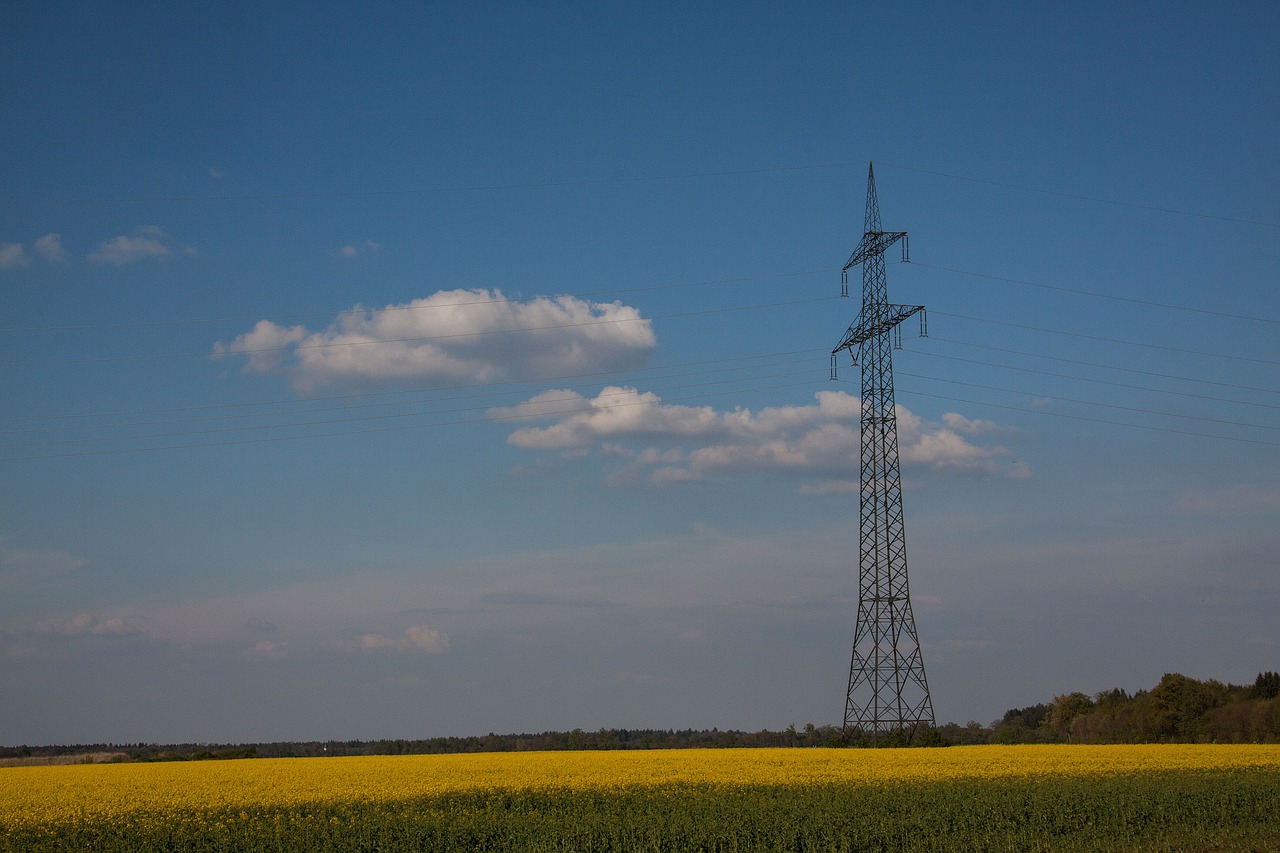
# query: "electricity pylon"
888,693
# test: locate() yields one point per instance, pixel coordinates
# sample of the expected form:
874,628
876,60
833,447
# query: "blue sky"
456,368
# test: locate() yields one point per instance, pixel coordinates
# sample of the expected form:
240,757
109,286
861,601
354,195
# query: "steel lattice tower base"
888,694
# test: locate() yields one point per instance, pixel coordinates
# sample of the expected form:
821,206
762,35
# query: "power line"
340,433
1080,197
1093,403
1107,340
1145,302
458,188
355,408
1111,383
422,339
389,416
1095,420
400,392
591,182
1101,366
204,321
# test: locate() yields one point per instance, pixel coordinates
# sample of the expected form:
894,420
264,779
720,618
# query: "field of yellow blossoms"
1156,797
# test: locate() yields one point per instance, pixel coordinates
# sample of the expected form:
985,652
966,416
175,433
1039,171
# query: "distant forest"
1177,710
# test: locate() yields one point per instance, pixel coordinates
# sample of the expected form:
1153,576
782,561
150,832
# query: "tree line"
1177,710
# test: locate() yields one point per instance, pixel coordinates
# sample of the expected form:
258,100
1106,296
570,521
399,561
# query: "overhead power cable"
421,389
339,433
1116,406
1097,295
1080,197
534,414
1126,385
422,339
440,189
1101,366
379,404
205,321
1106,340
1092,420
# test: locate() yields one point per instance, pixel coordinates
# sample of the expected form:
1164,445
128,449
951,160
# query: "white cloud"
50,248
672,443
451,336
216,173
12,256
266,347
965,426
427,640
150,241
418,638
352,250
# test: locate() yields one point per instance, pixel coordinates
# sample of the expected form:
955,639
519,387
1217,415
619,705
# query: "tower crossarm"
867,328
873,243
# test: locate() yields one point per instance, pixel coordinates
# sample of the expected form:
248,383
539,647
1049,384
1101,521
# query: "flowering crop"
754,798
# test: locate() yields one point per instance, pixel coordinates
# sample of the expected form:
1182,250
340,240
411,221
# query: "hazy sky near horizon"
446,368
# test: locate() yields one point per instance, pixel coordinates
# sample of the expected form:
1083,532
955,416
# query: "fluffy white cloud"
965,426
671,443
451,336
50,248
149,241
12,256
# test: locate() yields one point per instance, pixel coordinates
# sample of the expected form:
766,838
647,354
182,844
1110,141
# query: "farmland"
1158,797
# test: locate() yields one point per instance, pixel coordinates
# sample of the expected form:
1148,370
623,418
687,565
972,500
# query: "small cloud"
427,640
267,650
88,625
12,256
352,250
266,346
149,241
216,173
416,638
50,248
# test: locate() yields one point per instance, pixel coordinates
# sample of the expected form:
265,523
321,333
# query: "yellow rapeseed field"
47,797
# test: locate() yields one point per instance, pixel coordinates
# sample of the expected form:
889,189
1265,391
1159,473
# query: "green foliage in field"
1238,810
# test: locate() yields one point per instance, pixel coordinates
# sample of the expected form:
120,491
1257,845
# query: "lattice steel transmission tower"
888,693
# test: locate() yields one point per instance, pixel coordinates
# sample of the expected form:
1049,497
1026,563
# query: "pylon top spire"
878,315
871,225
